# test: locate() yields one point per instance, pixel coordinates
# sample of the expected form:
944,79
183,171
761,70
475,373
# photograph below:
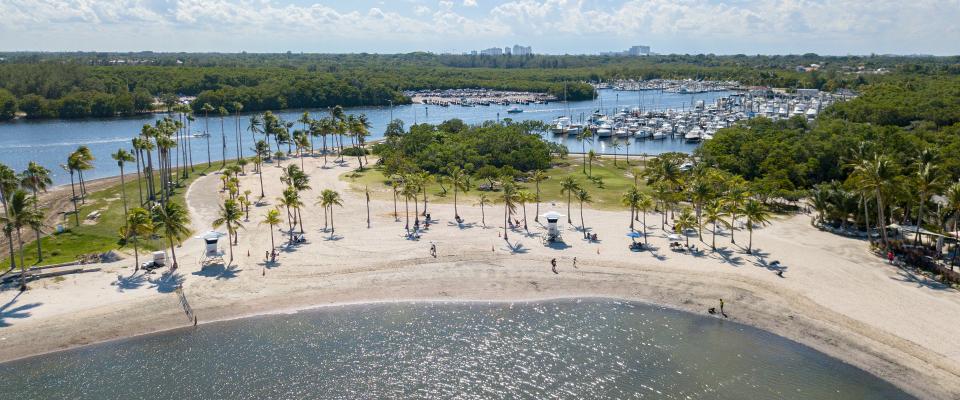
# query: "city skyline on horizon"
765,27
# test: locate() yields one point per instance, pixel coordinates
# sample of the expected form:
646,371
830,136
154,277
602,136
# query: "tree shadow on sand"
218,271
516,248
8,311
727,255
131,282
462,225
920,280
168,282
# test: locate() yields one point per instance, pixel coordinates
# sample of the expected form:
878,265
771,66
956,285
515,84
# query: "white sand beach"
834,296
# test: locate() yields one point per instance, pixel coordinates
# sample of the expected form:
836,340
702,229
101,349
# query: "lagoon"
563,349
48,142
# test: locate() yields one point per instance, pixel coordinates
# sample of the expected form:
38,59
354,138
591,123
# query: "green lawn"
103,235
616,180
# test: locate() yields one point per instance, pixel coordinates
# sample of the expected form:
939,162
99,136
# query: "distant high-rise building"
493,51
506,51
519,50
639,51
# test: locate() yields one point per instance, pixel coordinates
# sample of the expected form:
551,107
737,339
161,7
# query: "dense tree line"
70,85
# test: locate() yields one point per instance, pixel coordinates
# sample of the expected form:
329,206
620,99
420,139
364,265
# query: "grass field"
103,234
615,181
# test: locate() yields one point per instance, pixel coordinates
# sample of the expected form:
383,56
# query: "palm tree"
82,160
328,199
230,215
206,132
460,180
70,167
525,197
21,214
172,221
273,219
122,157
630,199
482,201
291,201
262,151
222,111
645,204
735,199
756,214
583,197
8,183
237,107
137,152
36,178
686,220
509,199
255,127
537,177
876,175
584,136
591,155
423,179
714,213
927,181
700,191
569,186
138,223
409,192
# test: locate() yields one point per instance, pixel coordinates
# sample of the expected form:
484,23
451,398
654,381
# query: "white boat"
694,136
658,135
560,126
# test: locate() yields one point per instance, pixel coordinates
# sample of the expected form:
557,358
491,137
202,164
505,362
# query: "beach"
834,295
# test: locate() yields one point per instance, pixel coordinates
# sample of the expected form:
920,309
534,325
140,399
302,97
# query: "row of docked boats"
698,123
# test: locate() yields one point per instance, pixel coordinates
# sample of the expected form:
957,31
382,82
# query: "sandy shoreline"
834,298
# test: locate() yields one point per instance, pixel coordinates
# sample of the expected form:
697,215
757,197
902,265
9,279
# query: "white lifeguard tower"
212,253
553,227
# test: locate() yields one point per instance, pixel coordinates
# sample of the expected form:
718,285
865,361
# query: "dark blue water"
569,349
49,142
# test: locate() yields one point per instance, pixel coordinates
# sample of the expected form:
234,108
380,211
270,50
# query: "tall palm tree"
362,131
583,197
585,135
291,201
700,191
524,197
735,199
222,111
630,198
409,192
686,220
206,108
172,221
460,180
36,178
8,183
714,213
138,223
615,145
423,179
273,219
122,157
591,155
262,151
137,152
71,167
569,187
236,107
645,204
755,213
328,199
927,181
483,201
255,126
509,198
83,161
22,214
230,215
876,175
538,176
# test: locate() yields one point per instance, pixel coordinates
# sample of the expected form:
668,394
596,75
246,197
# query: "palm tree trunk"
483,217
750,241
36,208
455,213
713,242
916,240
733,228
632,213
536,216
273,245
23,266
136,254
230,240
506,219
583,226
881,220
173,252
139,178
569,198
525,218
76,212
332,229
262,195
406,204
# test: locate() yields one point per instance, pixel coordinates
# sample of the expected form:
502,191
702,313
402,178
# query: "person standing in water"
721,309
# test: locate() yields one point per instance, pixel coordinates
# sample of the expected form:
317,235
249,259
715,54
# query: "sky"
828,27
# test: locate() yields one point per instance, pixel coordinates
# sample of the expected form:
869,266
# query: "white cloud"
685,25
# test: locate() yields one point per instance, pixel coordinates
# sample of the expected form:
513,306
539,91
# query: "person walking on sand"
574,262
433,249
553,265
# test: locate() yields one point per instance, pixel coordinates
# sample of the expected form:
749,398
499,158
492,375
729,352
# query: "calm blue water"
49,142
570,349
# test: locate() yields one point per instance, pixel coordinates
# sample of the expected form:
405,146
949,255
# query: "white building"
519,50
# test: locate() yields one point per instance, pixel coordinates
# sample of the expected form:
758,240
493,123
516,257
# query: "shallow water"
565,349
48,142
